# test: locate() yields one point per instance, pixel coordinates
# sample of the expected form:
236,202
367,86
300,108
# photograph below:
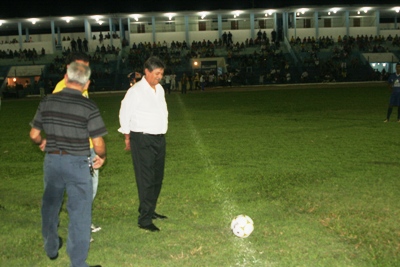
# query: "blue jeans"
67,173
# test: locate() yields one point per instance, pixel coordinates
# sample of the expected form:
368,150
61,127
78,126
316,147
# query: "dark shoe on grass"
150,227
159,216
60,243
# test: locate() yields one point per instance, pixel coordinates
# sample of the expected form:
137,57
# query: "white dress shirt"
144,109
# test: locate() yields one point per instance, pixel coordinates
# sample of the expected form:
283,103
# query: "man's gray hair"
78,73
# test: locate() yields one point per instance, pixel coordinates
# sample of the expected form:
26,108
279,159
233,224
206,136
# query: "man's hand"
42,145
35,136
127,144
98,162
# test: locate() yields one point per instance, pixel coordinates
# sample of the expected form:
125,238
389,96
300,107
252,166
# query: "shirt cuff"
123,131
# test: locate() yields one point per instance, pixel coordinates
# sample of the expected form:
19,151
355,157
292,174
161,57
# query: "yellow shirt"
61,85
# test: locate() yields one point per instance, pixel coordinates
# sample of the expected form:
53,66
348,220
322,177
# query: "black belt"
149,134
58,152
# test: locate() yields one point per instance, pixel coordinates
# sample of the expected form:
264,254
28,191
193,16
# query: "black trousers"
148,156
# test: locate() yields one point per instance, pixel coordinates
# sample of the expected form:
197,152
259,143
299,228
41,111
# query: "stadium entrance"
21,81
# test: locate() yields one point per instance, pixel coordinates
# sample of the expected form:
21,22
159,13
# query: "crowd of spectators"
333,61
100,65
13,41
261,58
21,54
258,61
106,36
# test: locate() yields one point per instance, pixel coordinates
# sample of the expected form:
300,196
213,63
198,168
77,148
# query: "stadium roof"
76,21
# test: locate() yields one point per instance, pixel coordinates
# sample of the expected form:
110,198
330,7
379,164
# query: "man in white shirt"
143,118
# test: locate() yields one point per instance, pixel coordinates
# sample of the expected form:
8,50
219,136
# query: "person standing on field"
143,117
68,119
202,82
83,58
173,81
394,101
168,83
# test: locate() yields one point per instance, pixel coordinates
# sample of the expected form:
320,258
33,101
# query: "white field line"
244,253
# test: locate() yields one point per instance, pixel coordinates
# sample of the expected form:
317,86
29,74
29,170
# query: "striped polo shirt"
69,119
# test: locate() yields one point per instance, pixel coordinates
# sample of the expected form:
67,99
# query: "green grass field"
315,168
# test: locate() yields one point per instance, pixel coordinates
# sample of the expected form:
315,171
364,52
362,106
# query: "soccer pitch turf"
314,166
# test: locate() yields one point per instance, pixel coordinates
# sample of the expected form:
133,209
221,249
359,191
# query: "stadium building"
256,46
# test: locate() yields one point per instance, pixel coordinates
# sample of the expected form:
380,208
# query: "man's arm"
37,138
99,147
125,116
125,112
127,142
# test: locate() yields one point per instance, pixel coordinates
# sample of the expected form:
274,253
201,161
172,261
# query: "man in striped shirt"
82,58
68,120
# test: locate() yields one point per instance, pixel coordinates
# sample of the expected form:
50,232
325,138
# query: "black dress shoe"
95,266
60,243
150,227
158,216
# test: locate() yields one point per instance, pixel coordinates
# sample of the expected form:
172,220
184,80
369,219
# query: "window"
327,23
356,22
234,25
307,23
202,26
261,24
141,28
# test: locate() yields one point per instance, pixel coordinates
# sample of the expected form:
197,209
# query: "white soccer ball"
242,226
